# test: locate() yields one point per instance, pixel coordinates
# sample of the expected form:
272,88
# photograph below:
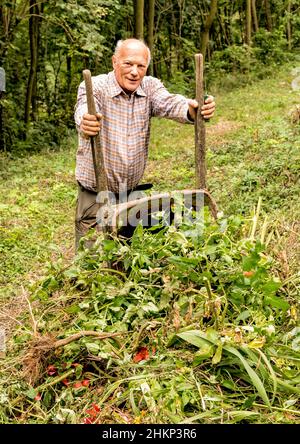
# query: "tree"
150,33
268,15
254,16
288,25
139,19
34,37
248,22
208,22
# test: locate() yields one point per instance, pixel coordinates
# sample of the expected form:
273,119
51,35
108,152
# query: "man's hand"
90,124
207,109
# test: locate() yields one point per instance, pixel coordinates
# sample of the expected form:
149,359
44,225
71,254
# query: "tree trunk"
30,102
248,22
207,25
288,26
150,36
69,74
2,127
268,15
139,19
254,16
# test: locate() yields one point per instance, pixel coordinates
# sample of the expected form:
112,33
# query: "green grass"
252,153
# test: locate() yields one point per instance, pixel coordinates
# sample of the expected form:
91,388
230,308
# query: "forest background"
45,45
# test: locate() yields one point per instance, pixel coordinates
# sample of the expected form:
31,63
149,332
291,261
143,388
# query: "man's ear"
114,61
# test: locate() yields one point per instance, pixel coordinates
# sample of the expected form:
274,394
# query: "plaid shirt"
125,128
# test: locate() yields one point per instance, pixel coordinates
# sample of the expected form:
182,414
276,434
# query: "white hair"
121,43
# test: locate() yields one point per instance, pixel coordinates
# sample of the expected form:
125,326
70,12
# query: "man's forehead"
133,50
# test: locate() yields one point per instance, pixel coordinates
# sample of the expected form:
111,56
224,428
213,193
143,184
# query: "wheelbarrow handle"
98,160
89,91
200,162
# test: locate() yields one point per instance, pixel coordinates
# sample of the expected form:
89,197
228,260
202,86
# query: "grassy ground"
252,152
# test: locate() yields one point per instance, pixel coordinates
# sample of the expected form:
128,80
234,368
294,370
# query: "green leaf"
31,393
240,415
108,245
243,315
218,355
212,335
194,337
276,302
205,352
164,299
229,385
92,347
270,287
249,402
253,376
149,307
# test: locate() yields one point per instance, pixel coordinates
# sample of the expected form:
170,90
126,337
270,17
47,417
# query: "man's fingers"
209,99
90,124
193,103
92,117
208,109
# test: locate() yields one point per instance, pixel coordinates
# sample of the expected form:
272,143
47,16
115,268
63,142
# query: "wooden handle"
200,126
89,91
98,160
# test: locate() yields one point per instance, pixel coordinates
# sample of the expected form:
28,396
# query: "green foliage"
270,47
167,290
77,35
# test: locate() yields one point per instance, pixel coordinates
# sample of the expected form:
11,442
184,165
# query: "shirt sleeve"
165,104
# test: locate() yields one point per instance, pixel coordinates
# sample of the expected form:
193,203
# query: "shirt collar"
115,89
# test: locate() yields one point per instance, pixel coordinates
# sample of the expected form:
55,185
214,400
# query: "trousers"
87,207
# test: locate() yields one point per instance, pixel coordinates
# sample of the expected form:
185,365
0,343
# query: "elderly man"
126,99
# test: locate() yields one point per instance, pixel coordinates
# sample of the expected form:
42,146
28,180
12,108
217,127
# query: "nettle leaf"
108,245
276,302
251,262
237,296
270,287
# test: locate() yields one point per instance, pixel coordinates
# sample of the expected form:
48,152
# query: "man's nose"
134,70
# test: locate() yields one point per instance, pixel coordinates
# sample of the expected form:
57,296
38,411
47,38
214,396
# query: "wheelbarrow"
122,218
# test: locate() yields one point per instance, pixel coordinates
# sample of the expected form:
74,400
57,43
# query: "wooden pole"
98,159
200,126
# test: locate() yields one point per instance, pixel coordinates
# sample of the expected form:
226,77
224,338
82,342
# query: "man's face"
130,66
